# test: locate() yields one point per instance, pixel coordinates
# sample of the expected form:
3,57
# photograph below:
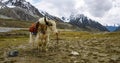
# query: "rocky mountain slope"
19,9
24,5
60,23
85,23
23,10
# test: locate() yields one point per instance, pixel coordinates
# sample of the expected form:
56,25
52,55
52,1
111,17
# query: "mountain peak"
19,9
19,3
24,5
84,22
2,5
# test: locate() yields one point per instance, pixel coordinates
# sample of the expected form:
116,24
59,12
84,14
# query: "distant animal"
39,32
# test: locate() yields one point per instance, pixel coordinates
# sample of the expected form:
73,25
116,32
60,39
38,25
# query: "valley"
81,38
73,47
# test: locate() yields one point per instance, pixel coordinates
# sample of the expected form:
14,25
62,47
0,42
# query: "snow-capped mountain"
19,9
23,4
23,10
86,23
2,5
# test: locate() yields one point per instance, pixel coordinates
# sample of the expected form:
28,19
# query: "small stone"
76,61
13,53
74,53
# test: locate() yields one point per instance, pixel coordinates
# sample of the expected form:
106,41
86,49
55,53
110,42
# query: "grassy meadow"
101,47
73,46
14,23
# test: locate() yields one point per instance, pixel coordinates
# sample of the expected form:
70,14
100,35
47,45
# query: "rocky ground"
73,47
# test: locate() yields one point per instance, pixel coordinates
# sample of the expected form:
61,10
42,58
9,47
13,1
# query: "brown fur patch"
42,28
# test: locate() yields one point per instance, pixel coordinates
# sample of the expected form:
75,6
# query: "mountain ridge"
111,28
84,22
23,10
117,29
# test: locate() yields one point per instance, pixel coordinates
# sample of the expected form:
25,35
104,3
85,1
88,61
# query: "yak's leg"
40,43
47,40
37,40
44,42
31,39
57,37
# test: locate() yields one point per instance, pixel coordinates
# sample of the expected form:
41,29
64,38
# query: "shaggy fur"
41,39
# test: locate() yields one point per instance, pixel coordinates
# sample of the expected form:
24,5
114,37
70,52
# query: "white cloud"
48,7
112,17
56,7
98,7
103,11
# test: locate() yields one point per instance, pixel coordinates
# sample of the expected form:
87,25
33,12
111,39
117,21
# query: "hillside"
117,29
111,28
22,10
14,23
17,13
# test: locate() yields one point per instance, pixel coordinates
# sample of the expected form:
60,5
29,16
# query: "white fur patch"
41,21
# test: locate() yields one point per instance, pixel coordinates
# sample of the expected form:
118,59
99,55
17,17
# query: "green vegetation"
103,47
14,23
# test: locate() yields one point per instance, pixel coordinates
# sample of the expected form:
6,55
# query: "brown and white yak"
40,31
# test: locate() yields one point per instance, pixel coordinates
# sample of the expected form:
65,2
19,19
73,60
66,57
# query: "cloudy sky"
103,11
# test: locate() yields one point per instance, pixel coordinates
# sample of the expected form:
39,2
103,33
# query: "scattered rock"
13,53
76,61
115,57
74,53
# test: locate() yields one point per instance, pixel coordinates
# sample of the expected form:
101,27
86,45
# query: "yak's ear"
47,21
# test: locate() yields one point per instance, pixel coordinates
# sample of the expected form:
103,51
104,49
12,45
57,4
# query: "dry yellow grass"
103,47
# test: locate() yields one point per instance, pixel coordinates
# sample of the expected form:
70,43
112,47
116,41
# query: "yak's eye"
48,18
